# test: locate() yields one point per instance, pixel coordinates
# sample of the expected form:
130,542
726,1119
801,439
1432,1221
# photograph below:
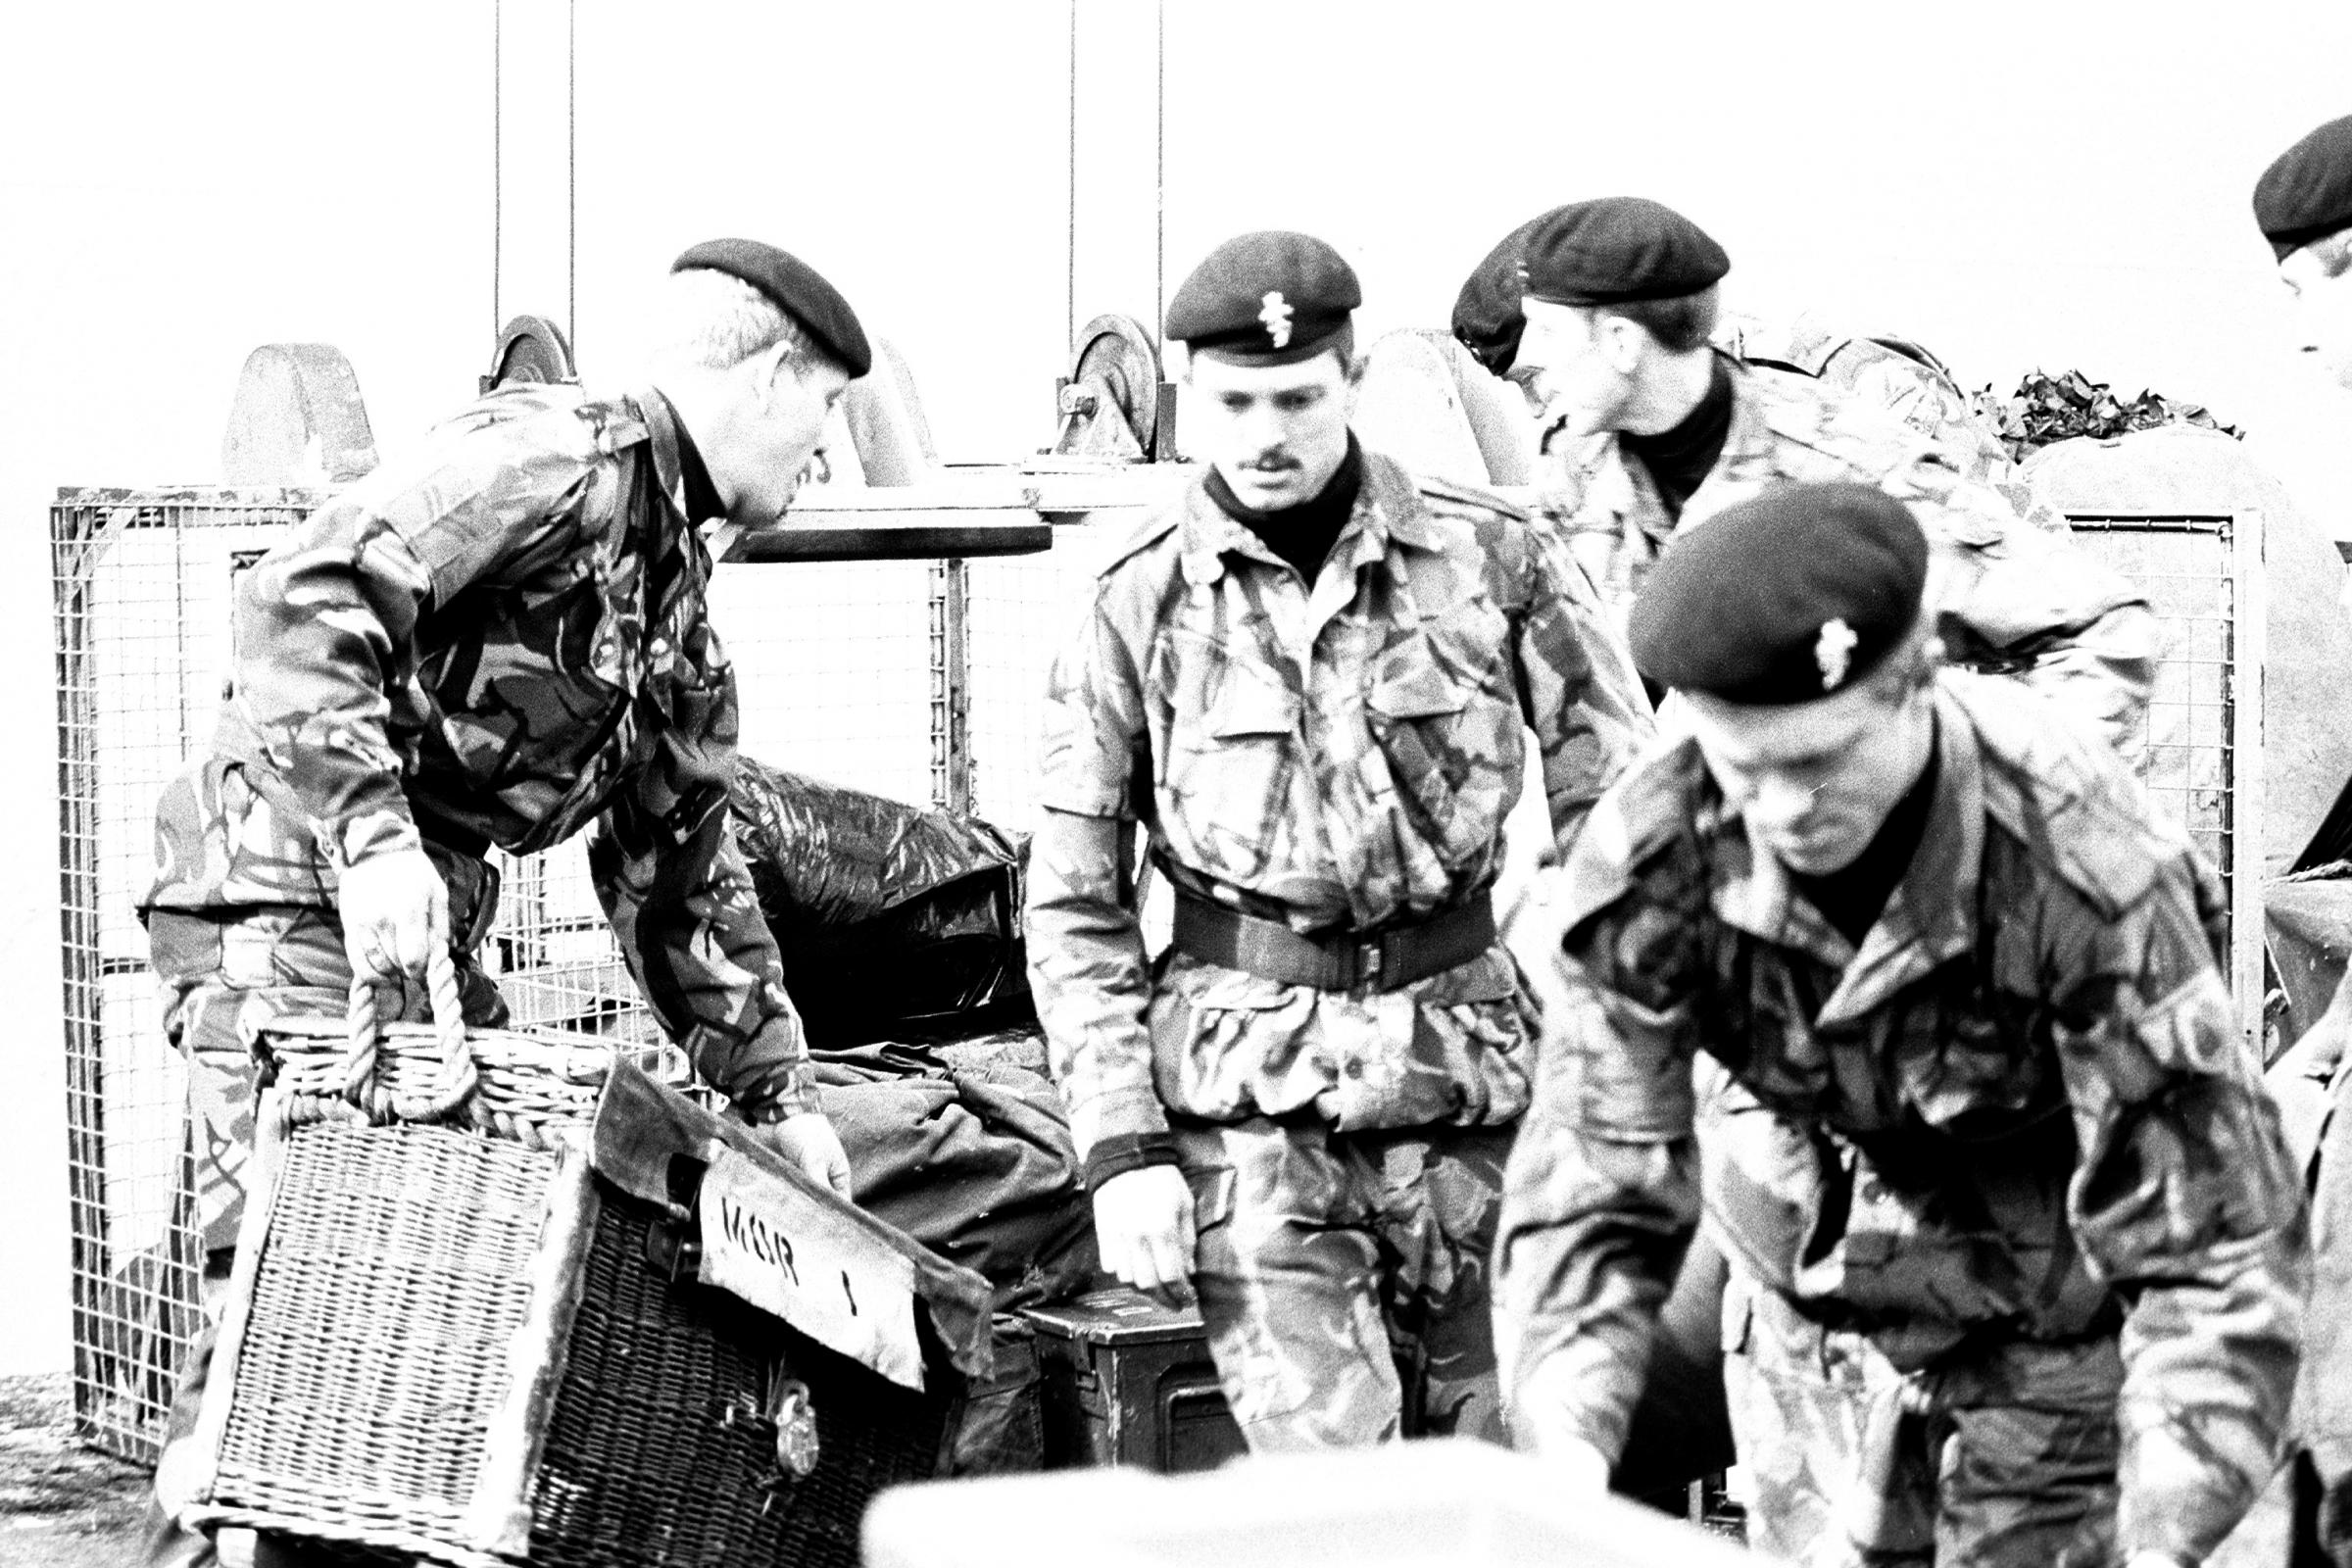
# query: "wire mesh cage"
863,674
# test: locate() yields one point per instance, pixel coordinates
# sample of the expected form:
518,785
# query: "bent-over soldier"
1985,1101
502,640
1310,679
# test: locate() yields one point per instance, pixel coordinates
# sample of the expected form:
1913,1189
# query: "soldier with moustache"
1306,683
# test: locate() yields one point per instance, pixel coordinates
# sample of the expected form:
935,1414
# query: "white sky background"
2014,184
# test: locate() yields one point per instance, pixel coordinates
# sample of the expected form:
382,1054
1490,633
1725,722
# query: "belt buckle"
1365,961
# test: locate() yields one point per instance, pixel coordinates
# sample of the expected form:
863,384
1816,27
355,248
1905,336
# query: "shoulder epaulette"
1143,536
613,424
2067,801
1468,497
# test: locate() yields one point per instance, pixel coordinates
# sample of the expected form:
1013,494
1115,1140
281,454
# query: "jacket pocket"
1232,752
1450,736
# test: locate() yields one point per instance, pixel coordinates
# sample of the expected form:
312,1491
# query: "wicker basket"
451,1338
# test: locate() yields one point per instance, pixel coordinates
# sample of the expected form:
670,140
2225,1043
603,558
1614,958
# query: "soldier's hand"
808,1141
1581,1469
1143,1227
395,912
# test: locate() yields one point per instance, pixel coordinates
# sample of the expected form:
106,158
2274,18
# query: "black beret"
1485,314
796,288
2307,193
1267,298
1617,250
1787,597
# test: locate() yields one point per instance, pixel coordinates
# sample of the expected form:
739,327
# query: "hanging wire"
1069,286
1159,178
498,84
572,159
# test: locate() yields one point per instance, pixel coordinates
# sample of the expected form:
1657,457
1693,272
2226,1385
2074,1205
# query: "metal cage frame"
2232,816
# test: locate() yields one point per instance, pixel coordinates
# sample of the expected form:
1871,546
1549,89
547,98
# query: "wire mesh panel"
833,660
141,582
2202,577
1023,609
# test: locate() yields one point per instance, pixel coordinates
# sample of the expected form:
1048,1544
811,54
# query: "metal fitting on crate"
790,1414
795,1415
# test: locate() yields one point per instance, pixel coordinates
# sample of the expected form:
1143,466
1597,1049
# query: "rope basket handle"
457,1078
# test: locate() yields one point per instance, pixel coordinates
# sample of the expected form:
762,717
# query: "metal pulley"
1113,404
531,348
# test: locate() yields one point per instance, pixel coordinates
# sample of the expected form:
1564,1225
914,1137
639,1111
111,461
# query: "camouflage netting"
2047,408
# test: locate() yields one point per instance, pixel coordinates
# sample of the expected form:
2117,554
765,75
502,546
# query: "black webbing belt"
1214,934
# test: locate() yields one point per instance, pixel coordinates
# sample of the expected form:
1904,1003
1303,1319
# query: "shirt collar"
678,463
1387,509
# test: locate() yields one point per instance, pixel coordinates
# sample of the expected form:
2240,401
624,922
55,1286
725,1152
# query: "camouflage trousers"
1344,1278
2003,1457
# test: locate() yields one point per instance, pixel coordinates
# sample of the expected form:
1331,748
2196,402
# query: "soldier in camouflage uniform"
2303,206
1891,374
1310,679
502,640
1985,1101
1655,431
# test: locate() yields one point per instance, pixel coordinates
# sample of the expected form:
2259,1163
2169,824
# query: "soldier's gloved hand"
1143,1228
395,912
808,1141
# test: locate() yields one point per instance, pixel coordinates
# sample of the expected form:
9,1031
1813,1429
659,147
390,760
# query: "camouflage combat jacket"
505,636
1333,755
2011,598
2023,1112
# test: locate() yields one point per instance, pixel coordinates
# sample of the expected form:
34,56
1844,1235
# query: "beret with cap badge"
797,289
1271,297
2306,193
1619,250
1789,596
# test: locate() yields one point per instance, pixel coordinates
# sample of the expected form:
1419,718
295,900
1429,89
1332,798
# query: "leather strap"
1344,961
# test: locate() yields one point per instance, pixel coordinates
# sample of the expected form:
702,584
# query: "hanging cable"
1069,287
1159,178
498,87
572,158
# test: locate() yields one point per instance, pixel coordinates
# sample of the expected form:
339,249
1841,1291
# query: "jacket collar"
1930,919
1387,509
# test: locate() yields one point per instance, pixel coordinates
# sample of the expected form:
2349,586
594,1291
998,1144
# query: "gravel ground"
62,1505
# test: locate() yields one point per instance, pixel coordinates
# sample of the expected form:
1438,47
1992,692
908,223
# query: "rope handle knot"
458,1077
